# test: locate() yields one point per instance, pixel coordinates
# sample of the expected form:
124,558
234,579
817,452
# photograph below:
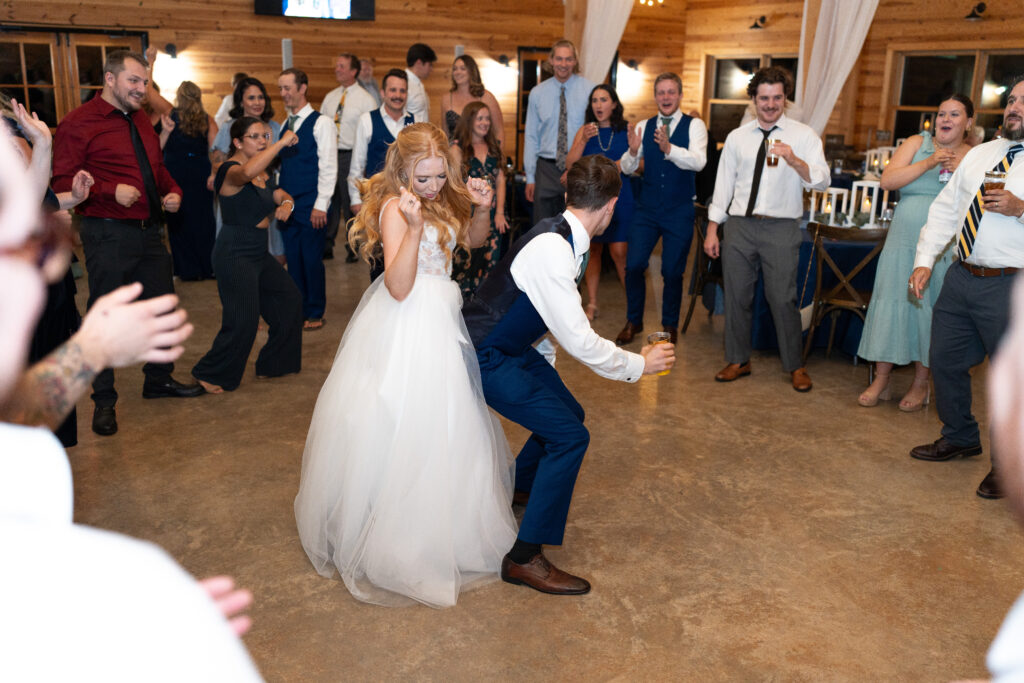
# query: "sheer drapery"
842,27
602,30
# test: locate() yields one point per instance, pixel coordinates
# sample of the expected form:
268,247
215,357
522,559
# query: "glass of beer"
659,338
994,180
772,159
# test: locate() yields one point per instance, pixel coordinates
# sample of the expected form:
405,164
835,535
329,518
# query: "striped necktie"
965,245
291,122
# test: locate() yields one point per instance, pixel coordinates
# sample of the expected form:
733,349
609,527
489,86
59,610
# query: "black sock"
522,552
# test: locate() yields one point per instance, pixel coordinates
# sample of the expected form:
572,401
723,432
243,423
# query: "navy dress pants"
675,229
528,391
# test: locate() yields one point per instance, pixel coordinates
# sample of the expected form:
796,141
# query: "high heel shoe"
869,400
914,406
591,311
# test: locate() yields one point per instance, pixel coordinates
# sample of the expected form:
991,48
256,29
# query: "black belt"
141,223
550,161
340,151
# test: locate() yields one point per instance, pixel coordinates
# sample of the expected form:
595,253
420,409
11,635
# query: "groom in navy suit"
533,290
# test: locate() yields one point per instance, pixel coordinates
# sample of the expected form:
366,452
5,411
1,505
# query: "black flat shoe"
170,388
104,420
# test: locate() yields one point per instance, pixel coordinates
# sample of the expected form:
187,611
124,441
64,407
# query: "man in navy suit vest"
375,132
673,147
308,173
533,290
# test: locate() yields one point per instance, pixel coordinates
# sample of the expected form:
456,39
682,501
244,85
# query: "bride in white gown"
406,476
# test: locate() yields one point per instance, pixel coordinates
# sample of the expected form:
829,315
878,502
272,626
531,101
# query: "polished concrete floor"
732,532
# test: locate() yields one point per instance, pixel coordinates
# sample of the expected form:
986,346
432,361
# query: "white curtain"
602,30
842,27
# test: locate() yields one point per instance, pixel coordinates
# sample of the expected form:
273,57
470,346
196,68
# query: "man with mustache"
760,192
374,132
122,220
973,308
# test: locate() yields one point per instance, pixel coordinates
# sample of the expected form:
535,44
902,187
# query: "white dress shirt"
781,193
127,612
546,270
357,102
223,114
326,137
364,130
416,100
1000,239
690,158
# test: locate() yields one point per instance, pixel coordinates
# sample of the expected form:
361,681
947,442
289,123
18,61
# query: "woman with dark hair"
604,132
250,282
477,153
467,87
251,99
192,230
897,330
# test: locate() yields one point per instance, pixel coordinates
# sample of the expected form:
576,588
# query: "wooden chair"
842,296
706,271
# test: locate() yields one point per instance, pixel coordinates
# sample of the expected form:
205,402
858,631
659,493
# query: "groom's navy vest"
665,185
499,314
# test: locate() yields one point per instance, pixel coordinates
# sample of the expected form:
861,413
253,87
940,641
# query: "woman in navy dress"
604,133
192,230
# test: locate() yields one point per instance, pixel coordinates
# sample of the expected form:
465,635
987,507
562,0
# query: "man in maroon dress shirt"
122,221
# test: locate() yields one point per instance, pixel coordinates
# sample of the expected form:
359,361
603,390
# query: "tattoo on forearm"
49,389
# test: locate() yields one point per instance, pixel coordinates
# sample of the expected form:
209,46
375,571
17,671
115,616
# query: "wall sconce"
633,64
976,12
503,60
760,22
172,50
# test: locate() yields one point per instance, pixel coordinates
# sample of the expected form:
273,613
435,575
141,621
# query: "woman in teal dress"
477,151
897,330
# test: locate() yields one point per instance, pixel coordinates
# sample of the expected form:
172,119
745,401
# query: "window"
927,79
726,97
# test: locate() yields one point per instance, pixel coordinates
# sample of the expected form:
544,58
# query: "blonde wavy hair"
451,209
193,119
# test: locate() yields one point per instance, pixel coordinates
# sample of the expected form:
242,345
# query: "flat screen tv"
351,10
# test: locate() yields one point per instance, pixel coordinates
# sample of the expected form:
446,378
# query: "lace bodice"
431,259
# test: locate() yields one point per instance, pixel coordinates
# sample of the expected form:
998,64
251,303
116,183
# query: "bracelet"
288,201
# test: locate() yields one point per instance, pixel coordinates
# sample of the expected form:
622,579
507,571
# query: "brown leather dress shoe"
801,380
543,576
942,450
990,487
733,371
628,332
673,333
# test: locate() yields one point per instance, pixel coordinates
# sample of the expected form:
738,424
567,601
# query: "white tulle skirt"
406,476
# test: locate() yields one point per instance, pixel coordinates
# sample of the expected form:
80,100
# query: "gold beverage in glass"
994,180
772,159
659,338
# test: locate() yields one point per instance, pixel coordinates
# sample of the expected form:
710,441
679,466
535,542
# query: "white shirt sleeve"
358,164
725,181
943,221
694,156
531,138
543,270
326,138
223,112
814,156
629,163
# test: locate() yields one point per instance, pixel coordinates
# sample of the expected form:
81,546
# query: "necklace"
610,138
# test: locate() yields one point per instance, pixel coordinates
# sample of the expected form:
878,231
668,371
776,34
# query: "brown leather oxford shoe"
733,371
990,487
627,334
942,450
541,575
801,380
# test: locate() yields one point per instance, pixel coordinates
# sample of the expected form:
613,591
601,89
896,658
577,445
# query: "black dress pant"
119,253
251,284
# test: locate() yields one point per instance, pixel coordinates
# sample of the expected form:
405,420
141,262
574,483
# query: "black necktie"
152,196
762,152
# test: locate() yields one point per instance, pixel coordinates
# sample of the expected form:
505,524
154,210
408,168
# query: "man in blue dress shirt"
555,112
